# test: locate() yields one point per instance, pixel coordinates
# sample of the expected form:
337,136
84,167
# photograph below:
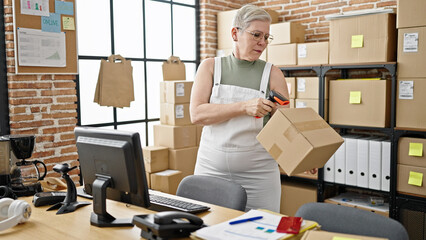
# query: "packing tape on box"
275,151
310,125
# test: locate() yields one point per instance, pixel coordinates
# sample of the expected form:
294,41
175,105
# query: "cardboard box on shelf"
156,158
291,85
183,159
411,180
323,235
312,53
308,88
166,181
173,69
299,139
411,13
411,151
224,26
410,103
175,136
360,201
287,32
411,52
175,91
284,54
363,39
294,195
360,102
175,114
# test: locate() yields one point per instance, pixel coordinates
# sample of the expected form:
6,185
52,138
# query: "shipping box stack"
224,27
307,94
411,71
174,152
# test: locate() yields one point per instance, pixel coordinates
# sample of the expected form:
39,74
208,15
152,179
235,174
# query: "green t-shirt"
243,73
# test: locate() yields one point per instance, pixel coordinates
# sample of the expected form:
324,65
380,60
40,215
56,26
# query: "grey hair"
249,13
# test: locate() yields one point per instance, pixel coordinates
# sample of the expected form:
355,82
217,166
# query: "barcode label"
411,42
406,90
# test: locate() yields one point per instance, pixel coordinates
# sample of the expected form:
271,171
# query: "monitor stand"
100,217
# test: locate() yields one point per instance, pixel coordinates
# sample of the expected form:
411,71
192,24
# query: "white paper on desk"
247,230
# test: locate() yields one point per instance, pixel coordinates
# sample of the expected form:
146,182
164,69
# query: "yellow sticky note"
357,41
416,149
344,238
415,179
68,23
355,97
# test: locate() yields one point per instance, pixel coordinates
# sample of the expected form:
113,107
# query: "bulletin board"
29,27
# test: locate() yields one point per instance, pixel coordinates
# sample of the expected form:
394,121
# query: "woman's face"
248,48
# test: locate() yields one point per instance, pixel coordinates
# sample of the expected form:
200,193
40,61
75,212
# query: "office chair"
213,190
342,219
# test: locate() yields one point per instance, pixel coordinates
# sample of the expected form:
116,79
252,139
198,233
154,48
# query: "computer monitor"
112,167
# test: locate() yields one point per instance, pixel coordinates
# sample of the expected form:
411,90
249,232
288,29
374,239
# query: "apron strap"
265,78
217,71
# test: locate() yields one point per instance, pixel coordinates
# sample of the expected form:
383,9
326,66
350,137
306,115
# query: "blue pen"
245,220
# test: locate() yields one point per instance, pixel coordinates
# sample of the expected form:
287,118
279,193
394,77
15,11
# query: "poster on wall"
35,7
38,48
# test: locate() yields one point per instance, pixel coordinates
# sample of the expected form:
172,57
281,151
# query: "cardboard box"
312,53
166,181
287,32
411,151
308,88
175,114
199,132
156,158
360,201
294,195
360,102
284,54
410,103
312,103
411,179
291,86
411,13
224,26
175,91
411,52
175,136
322,235
183,160
306,174
299,139
363,39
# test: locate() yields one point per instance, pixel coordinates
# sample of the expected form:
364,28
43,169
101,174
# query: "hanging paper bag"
115,82
173,69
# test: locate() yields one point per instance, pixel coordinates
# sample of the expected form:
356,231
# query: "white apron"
230,149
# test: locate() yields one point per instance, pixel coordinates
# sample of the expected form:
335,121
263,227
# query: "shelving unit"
321,71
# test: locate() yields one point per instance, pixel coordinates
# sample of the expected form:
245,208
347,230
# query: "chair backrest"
213,190
342,219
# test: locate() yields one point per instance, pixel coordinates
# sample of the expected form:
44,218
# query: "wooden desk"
47,225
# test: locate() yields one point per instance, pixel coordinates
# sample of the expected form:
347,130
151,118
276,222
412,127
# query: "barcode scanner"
277,98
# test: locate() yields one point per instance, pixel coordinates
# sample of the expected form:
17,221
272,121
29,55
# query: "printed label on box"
300,104
180,89
301,85
301,50
406,89
411,42
179,111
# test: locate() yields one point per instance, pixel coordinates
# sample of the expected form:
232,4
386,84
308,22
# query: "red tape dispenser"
290,225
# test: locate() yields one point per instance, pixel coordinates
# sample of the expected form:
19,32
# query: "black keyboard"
161,203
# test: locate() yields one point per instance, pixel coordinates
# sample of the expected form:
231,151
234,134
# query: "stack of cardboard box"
411,71
175,148
307,94
283,49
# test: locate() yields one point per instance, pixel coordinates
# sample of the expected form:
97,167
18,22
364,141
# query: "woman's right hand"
258,107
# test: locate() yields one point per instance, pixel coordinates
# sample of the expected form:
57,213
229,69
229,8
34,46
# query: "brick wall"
44,106
308,12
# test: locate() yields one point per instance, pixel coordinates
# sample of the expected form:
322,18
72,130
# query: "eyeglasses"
258,35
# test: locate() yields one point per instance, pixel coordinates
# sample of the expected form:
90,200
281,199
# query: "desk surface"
76,225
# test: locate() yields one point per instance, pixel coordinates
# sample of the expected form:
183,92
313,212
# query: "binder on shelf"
375,164
362,162
351,160
339,164
329,170
386,164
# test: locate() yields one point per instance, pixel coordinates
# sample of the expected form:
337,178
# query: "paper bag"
115,82
173,69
